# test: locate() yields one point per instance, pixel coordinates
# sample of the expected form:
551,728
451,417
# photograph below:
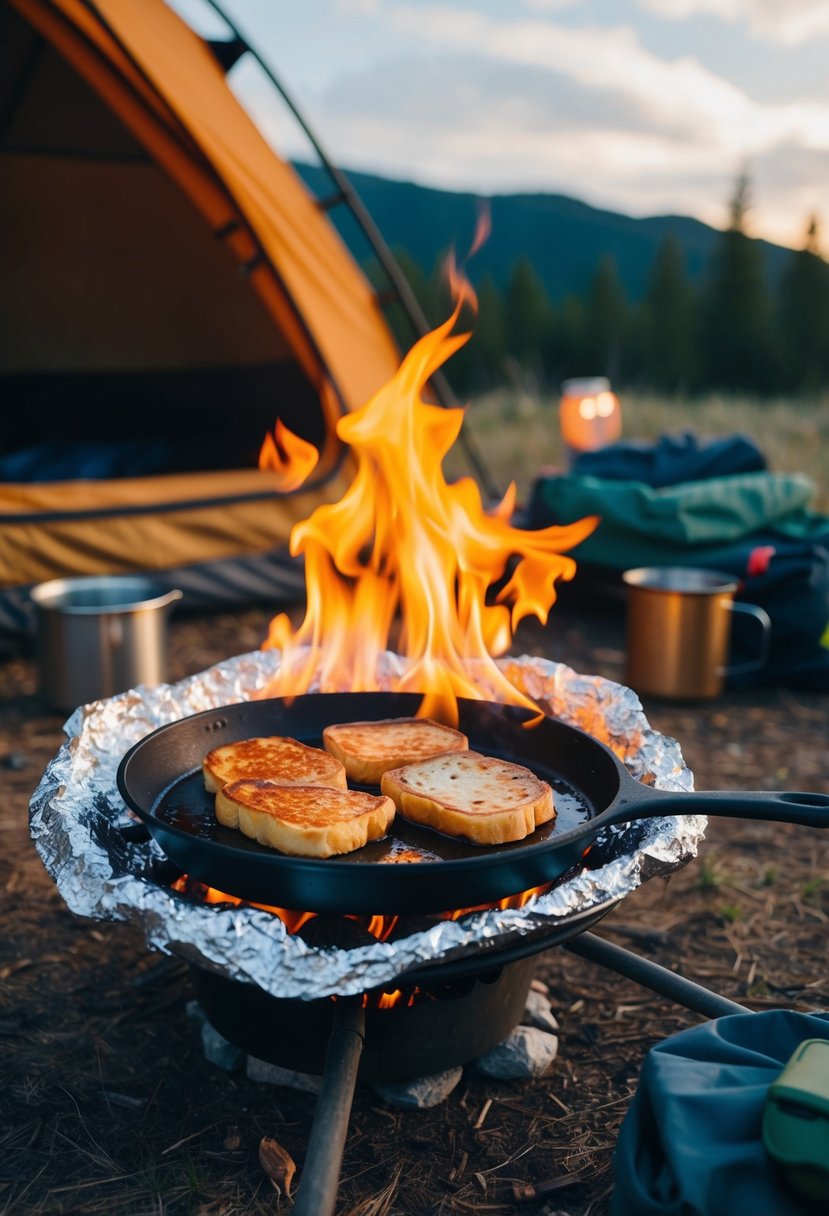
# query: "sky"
648,107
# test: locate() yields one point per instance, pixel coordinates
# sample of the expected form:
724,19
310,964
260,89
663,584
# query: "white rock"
539,1012
420,1094
217,1050
195,1012
525,1052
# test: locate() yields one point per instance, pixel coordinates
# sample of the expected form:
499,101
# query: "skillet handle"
788,806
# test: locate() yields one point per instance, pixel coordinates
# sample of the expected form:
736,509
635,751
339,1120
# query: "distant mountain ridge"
563,237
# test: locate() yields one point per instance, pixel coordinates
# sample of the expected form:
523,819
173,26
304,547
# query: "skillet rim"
582,831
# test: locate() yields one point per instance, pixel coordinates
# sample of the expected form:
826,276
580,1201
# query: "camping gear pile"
711,506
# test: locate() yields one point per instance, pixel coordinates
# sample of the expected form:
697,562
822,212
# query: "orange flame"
195,889
379,926
483,226
403,542
387,1000
285,453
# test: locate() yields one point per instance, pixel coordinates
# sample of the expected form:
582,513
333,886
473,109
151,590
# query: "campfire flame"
403,543
286,454
388,1000
379,926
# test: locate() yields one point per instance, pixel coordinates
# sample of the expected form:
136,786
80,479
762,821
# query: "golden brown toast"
368,749
479,798
304,820
272,759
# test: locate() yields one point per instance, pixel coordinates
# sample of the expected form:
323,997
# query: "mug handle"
764,620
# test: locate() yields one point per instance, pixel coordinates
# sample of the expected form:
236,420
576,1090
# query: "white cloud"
682,93
549,6
789,179
347,8
787,22
473,103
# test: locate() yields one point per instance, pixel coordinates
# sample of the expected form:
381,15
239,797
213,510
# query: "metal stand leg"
652,975
317,1194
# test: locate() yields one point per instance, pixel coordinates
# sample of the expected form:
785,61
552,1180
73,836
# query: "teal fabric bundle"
691,1142
691,524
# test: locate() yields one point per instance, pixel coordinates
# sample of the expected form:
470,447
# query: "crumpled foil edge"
76,812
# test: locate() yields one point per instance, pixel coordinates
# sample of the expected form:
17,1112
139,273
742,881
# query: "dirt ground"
108,1106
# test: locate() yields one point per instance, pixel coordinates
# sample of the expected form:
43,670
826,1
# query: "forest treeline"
732,333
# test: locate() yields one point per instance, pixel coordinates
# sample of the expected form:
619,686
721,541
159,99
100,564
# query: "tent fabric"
135,524
157,56
152,242
63,310
691,1142
168,88
263,578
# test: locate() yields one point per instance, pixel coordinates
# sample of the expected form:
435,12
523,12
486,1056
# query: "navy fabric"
791,582
86,460
691,1142
672,459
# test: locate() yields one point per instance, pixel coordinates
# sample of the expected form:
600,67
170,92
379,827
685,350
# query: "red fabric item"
759,558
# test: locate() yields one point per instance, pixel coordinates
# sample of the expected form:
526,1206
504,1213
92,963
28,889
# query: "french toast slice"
304,820
479,798
275,758
368,749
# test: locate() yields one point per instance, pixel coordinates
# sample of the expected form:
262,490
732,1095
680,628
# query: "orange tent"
168,288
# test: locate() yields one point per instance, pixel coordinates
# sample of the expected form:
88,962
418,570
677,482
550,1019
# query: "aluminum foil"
76,812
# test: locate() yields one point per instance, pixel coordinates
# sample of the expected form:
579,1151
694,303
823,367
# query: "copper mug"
679,631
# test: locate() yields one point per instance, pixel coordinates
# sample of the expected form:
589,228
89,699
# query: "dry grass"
517,432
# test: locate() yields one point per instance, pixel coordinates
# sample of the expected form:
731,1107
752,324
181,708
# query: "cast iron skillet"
412,869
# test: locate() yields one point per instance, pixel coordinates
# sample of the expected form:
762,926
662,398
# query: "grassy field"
517,434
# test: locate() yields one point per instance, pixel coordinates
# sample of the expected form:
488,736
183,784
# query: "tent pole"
400,284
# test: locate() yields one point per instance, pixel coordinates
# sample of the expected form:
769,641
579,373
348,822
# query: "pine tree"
736,332
488,345
423,289
566,356
528,317
668,320
804,316
606,322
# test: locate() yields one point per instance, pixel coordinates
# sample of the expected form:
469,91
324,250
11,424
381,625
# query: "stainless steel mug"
679,630
99,636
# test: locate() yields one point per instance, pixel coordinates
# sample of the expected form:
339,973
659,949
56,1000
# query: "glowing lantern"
589,415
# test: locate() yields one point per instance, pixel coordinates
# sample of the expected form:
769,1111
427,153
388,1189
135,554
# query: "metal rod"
409,301
651,975
317,1193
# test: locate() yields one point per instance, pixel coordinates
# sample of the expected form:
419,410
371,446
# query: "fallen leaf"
278,1164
